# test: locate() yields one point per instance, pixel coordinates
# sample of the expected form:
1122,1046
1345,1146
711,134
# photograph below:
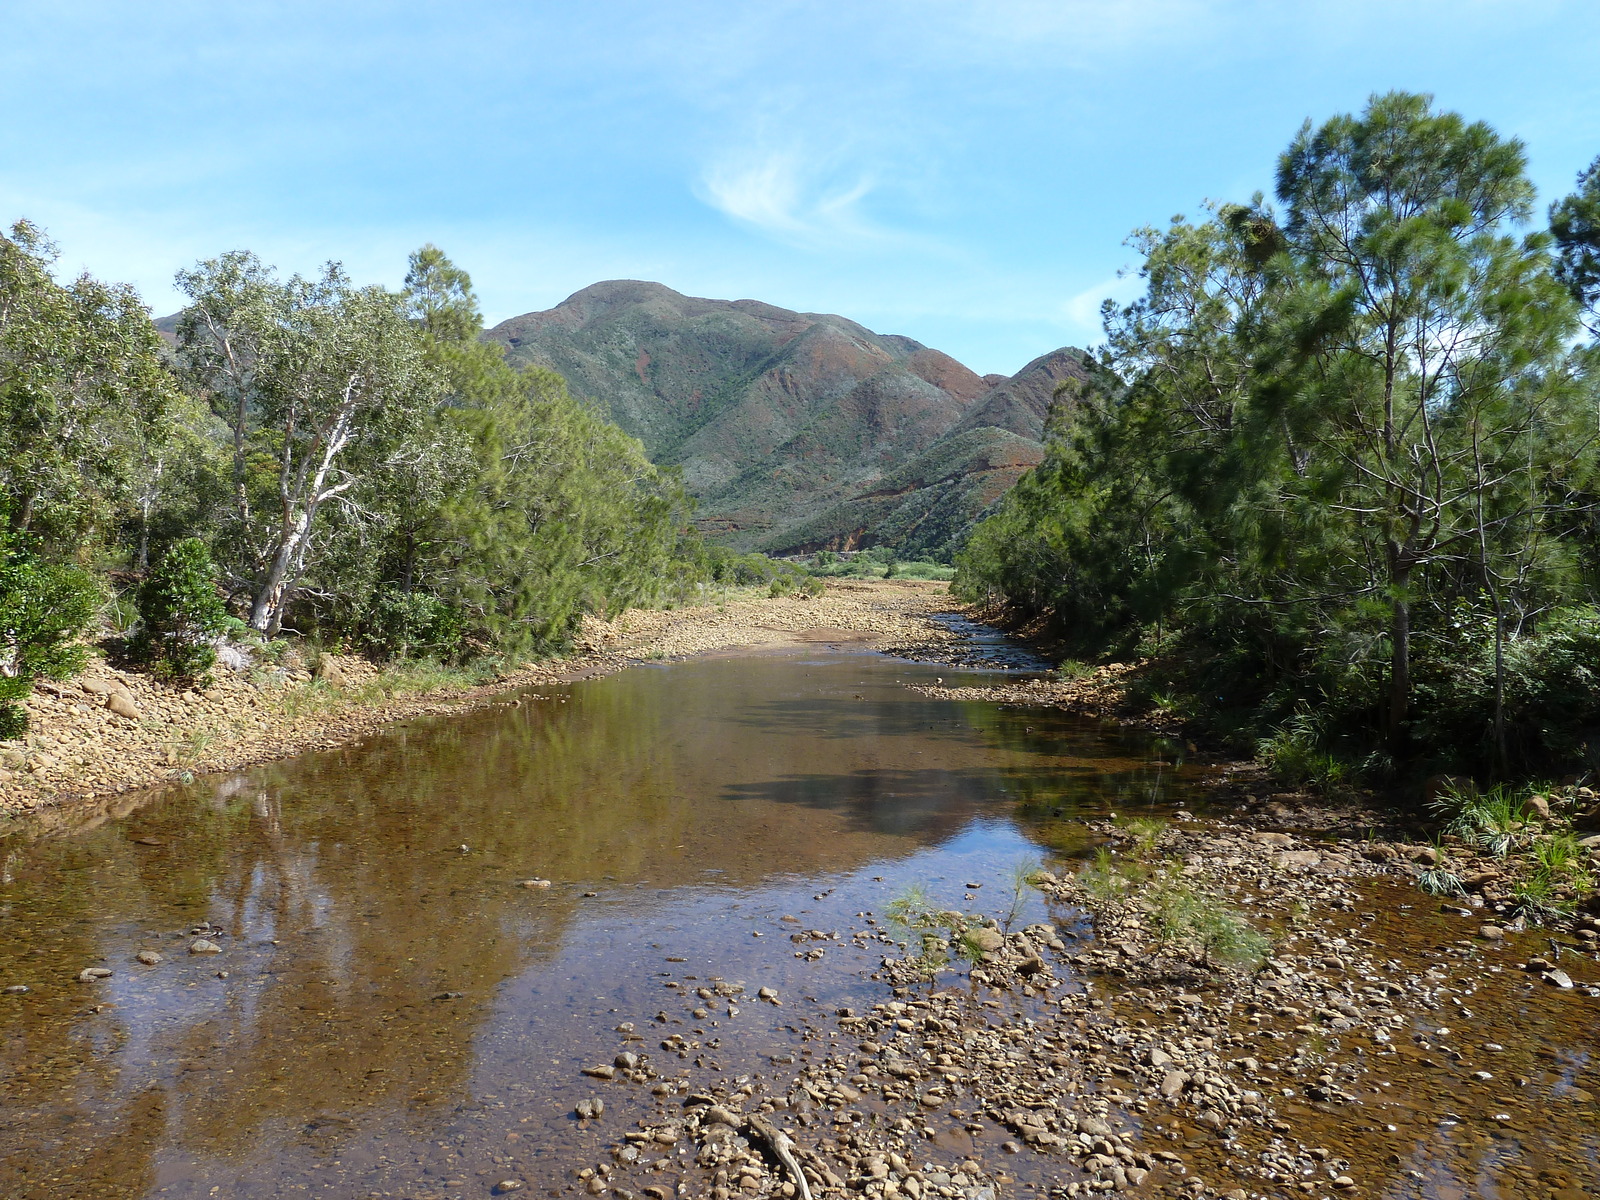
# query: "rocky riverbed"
113,730
1099,1053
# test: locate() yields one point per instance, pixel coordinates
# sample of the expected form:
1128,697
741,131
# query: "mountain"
796,431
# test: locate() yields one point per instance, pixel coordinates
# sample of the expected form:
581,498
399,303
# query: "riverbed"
383,970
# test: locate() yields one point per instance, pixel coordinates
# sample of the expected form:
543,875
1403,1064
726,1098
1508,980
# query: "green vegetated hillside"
797,431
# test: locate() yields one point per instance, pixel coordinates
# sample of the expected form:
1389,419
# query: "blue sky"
964,173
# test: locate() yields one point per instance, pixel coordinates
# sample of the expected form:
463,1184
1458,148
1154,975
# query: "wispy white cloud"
1082,311
789,197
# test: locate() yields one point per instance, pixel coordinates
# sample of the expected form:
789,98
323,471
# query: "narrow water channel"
391,1014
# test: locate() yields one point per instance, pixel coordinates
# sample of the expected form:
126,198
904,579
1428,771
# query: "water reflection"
392,1014
384,987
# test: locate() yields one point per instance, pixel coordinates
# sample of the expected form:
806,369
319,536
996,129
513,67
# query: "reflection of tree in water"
347,905
347,908
1094,769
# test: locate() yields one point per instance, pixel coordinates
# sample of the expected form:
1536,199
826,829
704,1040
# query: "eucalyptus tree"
318,381
85,399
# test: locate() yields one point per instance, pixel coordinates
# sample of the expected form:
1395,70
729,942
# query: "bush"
181,613
1294,754
44,607
403,624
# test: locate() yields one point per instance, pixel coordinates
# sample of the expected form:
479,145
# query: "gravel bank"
1083,1057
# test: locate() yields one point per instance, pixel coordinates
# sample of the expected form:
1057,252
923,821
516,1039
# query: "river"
390,1012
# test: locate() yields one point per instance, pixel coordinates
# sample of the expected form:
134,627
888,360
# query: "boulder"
986,939
1291,860
122,704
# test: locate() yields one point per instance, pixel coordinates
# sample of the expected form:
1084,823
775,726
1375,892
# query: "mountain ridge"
797,431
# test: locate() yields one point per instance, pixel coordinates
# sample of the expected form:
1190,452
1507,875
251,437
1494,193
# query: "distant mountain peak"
778,418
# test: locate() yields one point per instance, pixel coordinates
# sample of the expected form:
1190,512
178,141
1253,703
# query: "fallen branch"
783,1148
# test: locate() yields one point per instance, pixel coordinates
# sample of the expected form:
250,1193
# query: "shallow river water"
391,1014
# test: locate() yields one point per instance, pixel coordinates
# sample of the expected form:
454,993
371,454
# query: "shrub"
180,612
1493,821
1294,754
44,607
403,624
1208,929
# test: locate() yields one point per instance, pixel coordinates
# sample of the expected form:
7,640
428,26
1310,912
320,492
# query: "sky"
961,173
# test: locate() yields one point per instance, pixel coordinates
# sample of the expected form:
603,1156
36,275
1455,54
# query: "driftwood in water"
783,1148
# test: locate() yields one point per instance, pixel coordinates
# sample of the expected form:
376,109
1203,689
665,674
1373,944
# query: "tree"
84,396
1319,438
1420,317
568,516
181,612
1575,226
44,608
317,381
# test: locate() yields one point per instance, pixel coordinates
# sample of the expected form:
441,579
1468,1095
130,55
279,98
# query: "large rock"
985,939
330,672
122,704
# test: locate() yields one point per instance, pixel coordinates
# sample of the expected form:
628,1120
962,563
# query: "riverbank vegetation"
304,455
1336,472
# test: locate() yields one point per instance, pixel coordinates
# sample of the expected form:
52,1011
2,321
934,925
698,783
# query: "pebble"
533,883
204,946
148,957
90,974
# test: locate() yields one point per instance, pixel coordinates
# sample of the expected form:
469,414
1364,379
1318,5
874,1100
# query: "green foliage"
1493,821
1535,897
84,399
323,386
403,624
44,608
1575,226
1439,881
1293,752
878,564
1145,834
1331,455
180,612
1103,880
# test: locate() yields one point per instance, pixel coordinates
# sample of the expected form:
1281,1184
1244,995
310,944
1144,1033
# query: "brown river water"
391,1015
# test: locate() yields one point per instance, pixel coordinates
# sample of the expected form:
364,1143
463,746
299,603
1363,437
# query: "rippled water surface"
392,1015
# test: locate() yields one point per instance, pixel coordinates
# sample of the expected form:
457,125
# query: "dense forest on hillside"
1337,468
348,462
